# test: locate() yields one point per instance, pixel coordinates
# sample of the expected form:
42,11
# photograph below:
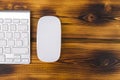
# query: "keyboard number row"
15,35
17,43
14,27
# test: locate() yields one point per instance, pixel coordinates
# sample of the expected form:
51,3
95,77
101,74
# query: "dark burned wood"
16,6
46,11
103,61
97,14
6,69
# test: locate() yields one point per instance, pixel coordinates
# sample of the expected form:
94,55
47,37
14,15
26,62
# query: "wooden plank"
90,40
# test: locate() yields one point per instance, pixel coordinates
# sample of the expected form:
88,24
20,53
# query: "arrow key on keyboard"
17,60
25,60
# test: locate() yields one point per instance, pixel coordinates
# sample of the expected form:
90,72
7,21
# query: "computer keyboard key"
0,27
4,27
16,20
8,20
25,60
2,35
17,60
25,42
9,60
2,58
2,43
18,43
9,55
1,20
24,21
13,27
16,35
7,50
17,56
18,50
24,35
22,27
1,50
9,35
24,56
10,43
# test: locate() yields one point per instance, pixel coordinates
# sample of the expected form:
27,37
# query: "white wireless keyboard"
14,37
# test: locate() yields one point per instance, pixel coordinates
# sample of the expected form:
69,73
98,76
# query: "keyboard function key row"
13,20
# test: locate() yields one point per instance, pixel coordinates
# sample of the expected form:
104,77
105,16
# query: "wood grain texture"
90,40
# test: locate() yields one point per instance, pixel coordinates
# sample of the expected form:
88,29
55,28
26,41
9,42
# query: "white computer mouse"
48,39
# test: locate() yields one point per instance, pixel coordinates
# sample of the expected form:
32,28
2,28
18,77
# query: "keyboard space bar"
18,50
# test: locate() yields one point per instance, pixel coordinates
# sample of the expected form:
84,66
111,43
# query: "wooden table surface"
90,40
